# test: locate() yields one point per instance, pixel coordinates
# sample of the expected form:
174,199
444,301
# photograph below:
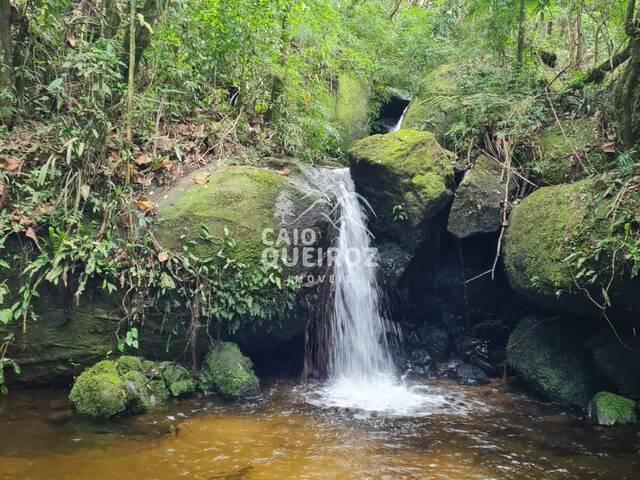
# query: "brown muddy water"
475,433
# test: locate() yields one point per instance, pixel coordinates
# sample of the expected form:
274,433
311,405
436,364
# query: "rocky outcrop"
547,355
407,177
128,385
227,372
477,205
610,409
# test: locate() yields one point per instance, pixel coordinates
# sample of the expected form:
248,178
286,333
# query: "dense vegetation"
102,103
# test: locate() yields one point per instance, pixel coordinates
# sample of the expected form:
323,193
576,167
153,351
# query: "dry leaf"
142,159
609,147
30,233
163,256
168,164
10,164
84,192
202,179
144,205
284,173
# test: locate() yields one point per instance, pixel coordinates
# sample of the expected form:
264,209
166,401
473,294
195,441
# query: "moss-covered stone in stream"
566,152
228,372
177,379
547,355
128,385
610,409
100,391
406,176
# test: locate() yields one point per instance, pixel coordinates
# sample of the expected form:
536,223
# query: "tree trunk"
521,32
629,90
6,55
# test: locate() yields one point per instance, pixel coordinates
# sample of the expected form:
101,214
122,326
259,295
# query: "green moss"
351,109
610,409
100,391
228,372
177,378
547,355
432,109
556,160
539,239
138,397
405,168
128,363
239,198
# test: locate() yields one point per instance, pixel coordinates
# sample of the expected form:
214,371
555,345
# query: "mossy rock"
177,379
138,396
610,409
239,198
550,226
567,152
538,242
477,206
406,171
100,391
352,109
228,372
548,356
433,110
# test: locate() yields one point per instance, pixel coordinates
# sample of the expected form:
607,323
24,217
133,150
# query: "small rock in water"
470,375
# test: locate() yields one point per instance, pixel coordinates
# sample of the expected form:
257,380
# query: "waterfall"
398,125
362,375
359,349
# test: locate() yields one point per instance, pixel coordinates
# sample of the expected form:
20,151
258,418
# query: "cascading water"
359,348
362,374
398,125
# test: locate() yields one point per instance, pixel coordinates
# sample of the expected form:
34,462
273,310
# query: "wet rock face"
618,361
547,355
477,205
610,409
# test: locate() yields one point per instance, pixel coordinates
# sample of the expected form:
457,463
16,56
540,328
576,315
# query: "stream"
470,433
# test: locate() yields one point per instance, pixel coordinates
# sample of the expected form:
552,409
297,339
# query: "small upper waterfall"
398,125
359,349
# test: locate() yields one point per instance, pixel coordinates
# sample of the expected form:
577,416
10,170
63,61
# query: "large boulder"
255,205
610,409
477,206
549,234
228,372
548,356
407,178
565,152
